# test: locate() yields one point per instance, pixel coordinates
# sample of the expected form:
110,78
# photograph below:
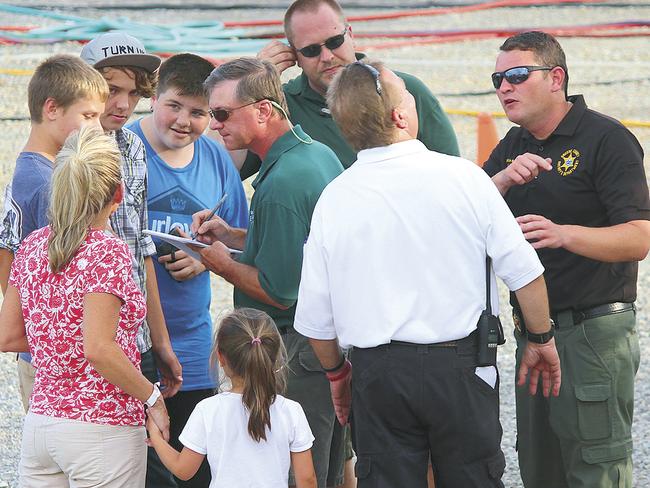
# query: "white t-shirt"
397,250
218,427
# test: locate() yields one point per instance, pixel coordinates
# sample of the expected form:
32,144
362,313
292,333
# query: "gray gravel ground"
448,69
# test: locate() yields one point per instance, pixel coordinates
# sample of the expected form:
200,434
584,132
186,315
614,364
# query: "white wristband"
155,395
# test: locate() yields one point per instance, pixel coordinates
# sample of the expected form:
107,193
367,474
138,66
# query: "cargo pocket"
488,470
593,411
309,362
603,453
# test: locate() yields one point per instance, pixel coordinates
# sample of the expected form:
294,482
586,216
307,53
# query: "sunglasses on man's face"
222,114
516,75
332,43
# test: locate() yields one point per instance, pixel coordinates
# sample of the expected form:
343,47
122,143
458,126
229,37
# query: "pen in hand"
213,211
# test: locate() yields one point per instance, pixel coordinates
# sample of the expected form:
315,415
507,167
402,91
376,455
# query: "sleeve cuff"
521,281
313,332
148,247
287,302
302,447
191,445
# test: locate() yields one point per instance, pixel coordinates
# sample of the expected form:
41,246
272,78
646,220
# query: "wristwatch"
155,395
542,338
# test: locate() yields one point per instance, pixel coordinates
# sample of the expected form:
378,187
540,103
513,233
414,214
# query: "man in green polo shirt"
321,42
249,111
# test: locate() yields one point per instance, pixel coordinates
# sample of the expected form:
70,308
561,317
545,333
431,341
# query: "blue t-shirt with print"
28,200
174,194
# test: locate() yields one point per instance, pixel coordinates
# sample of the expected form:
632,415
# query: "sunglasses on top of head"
516,75
374,72
332,43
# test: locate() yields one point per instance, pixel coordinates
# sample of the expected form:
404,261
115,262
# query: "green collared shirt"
290,180
309,109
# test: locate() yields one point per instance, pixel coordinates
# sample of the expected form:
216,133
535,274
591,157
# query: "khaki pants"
63,453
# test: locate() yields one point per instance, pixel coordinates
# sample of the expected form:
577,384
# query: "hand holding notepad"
183,243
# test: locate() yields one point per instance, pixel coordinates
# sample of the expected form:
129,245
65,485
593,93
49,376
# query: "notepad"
183,243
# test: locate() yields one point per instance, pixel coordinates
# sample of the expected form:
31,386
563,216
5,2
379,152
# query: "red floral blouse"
66,385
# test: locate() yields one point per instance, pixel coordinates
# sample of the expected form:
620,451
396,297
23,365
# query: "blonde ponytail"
86,175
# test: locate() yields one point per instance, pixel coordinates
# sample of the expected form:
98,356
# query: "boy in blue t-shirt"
187,172
64,94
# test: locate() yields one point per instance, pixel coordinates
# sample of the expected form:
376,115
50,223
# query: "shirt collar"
301,86
283,144
569,124
383,153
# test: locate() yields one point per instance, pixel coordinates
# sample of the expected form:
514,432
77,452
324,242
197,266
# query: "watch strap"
155,395
542,338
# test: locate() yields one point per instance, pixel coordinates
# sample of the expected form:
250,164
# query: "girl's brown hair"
253,349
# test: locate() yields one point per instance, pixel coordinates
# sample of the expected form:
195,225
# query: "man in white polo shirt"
395,267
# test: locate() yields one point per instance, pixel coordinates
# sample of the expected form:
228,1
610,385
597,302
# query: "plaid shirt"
9,223
130,219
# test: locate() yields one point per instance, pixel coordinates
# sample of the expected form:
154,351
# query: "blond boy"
64,94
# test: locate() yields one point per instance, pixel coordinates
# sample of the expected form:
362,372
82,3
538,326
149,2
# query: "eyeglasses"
223,114
374,72
332,43
516,75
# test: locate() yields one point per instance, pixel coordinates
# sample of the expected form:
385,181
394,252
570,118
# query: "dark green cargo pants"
583,437
308,385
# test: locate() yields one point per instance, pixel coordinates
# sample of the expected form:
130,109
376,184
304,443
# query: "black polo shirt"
597,180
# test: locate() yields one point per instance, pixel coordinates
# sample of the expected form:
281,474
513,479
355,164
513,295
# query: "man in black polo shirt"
574,179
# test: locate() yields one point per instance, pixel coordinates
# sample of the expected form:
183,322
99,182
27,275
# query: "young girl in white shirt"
251,434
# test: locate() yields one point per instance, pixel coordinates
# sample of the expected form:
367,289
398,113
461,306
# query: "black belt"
580,316
464,351
470,340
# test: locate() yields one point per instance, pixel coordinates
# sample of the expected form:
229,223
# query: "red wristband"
345,370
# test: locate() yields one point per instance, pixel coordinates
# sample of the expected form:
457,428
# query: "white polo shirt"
397,250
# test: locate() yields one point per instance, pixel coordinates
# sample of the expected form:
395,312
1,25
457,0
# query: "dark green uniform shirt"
308,108
290,180
597,180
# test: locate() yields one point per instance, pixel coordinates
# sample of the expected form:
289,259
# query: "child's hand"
154,431
158,415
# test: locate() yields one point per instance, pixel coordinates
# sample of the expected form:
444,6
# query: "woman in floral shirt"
73,304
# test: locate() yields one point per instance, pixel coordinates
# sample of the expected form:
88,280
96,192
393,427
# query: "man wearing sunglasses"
321,43
249,111
574,179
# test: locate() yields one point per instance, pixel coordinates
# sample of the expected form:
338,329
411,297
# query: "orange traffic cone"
487,137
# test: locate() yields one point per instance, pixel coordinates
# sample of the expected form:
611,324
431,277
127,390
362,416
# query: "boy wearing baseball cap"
131,73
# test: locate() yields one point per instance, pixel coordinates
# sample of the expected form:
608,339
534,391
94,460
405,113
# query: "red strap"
344,372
